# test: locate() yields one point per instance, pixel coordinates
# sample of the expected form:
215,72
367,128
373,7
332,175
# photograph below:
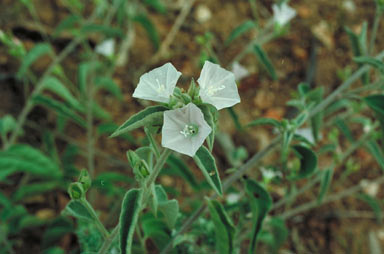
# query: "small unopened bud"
139,166
85,179
76,190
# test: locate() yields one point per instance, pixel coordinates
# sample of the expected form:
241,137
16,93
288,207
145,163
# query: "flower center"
190,130
211,90
160,87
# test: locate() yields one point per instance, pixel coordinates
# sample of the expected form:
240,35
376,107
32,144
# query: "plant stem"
99,225
146,189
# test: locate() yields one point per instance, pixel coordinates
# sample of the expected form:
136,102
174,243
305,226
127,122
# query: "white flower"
106,48
158,84
306,133
239,71
282,13
218,86
184,129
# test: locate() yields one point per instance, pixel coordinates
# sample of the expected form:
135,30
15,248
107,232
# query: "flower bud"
76,190
85,179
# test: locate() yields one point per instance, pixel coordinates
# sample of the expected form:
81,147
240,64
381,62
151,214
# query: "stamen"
160,87
190,130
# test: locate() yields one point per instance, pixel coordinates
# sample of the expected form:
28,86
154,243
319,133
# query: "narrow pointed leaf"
206,162
59,107
240,30
170,209
55,85
149,116
224,228
264,121
128,218
261,203
325,183
35,53
376,103
376,152
149,28
263,58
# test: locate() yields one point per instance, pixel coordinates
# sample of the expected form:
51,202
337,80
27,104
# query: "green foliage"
261,202
308,161
263,58
264,121
224,228
325,183
35,53
147,117
25,159
147,24
240,30
128,219
206,162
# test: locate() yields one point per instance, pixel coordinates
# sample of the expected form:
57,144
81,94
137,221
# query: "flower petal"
218,86
174,124
282,14
158,84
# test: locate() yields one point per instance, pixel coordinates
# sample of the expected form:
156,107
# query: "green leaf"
7,124
128,218
280,233
55,85
376,152
23,158
264,121
206,162
148,116
34,189
308,161
224,228
107,31
240,30
59,107
170,210
83,71
261,203
325,183
157,5
155,229
343,127
35,53
76,209
210,116
376,103
375,63
109,85
150,28
178,167
68,23
374,204
263,58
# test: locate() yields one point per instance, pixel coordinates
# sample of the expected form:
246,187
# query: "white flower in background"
306,133
158,84
218,86
184,129
239,71
233,198
282,13
106,48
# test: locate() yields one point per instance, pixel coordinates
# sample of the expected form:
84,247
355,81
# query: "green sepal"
147,117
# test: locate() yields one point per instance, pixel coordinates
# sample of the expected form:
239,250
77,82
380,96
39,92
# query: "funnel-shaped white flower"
184,129
282,13
158,84
218,86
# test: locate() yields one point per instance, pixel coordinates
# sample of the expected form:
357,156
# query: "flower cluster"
185,129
